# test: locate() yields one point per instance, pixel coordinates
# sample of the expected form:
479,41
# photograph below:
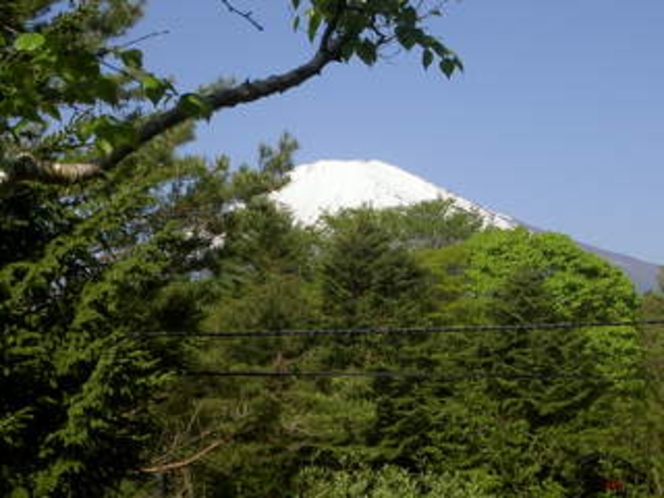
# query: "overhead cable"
452,329
410,375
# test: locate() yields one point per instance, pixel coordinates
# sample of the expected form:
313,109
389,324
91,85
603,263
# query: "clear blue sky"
557,121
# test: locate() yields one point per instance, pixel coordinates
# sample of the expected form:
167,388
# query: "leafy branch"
343,29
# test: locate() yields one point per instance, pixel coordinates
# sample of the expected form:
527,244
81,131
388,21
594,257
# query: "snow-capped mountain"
328,186
331,185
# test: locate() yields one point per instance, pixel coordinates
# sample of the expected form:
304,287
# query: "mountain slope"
331,185
328,186
642,273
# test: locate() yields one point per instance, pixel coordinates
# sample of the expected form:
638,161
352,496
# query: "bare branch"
248,15
180,464
140,39
27,168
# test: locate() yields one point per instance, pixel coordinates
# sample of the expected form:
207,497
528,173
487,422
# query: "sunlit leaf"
29,42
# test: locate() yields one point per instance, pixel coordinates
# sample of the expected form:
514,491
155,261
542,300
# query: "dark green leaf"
132,58
427,58
107,90
315,18
407,36
448,66
367,52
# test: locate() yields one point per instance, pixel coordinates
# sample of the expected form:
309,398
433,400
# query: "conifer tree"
91,269
366,279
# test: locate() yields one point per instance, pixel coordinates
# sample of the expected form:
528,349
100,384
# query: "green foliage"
652,406
69,92
368,27
580,286
86,270
72,376
427,225
85,403
543,401
55,78
365,279
541,413
390,481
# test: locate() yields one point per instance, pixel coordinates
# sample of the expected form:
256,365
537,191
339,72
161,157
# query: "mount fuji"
328,186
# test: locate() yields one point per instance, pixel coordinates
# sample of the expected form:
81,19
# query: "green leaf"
427,58
107,90
448,66
367,52
29,42
409,16
104,146
112,133
407,36
153,87
194,105
315,18
132,58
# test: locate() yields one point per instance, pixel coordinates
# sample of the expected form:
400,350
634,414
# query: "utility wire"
453,329
410,375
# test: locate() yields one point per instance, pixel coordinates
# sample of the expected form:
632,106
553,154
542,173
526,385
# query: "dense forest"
167,331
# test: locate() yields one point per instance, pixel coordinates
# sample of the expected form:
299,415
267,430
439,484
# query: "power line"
409,375
452,329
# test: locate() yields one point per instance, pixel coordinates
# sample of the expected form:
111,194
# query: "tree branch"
170,467
329,50
224,98
248,16
26,167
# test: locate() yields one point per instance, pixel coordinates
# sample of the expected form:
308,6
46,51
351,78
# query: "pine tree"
367,280
91,269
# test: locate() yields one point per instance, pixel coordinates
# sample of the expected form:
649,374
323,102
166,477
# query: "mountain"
330,185
642,273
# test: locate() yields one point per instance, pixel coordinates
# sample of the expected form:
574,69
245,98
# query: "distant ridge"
642,273
332,185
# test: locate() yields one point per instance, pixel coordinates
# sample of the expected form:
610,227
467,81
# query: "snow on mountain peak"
332,185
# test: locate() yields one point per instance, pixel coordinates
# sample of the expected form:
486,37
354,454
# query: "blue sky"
558,119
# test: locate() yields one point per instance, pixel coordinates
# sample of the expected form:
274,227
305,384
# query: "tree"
85,275
262,276
589,418
75,385
367,281
84,267
652,405
534,407
54,67
429,224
